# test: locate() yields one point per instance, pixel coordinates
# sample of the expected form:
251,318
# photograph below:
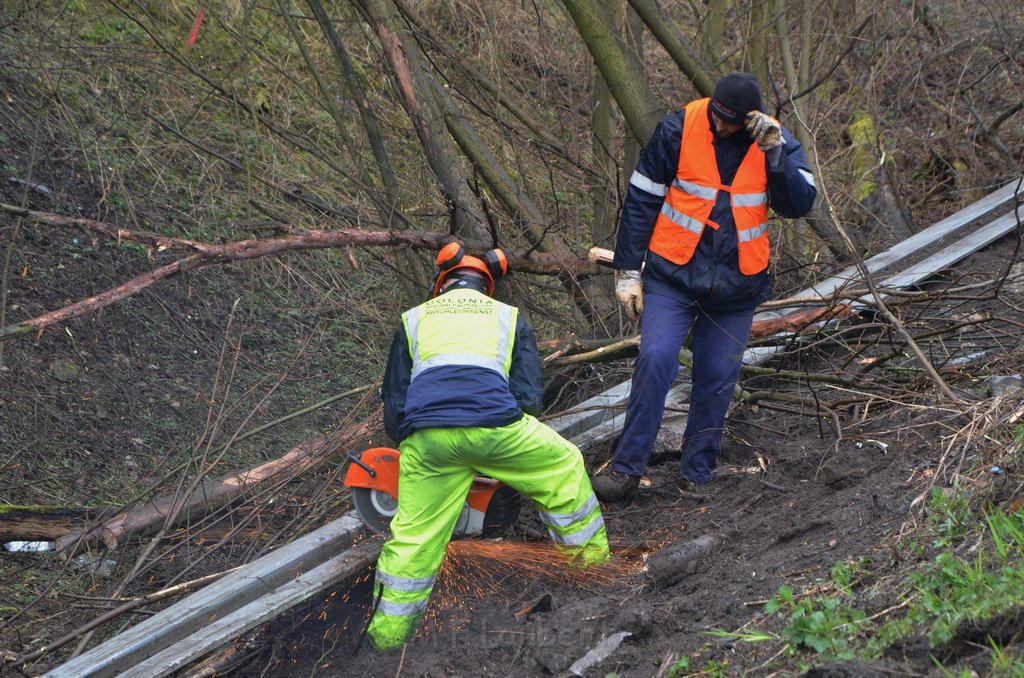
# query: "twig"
132,604
887,314
401,662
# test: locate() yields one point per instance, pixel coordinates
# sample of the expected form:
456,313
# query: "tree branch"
208,254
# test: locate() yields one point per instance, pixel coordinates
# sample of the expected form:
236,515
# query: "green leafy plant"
953,590
845,573
947,591
1005,663
711,669
680,668
821,624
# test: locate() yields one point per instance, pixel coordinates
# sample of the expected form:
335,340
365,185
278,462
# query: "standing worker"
692,253
461,392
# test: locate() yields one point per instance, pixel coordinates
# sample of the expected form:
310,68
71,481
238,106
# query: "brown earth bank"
798,491
795,495
786,506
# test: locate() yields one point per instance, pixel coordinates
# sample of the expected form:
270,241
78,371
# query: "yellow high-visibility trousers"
436,470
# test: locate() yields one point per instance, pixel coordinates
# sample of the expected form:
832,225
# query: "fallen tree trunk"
206,497
46,523
210,254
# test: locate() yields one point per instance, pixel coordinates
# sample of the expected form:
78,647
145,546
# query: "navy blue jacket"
712,277
458,396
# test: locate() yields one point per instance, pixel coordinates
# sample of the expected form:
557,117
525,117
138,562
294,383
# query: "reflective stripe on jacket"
692,194
461,327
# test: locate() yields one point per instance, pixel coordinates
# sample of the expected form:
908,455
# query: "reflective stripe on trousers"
436,472
573,532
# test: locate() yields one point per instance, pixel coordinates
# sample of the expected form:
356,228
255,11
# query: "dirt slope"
793,499
92,412
795,495
815,506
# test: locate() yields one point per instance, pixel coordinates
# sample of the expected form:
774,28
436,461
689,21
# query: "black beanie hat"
736,95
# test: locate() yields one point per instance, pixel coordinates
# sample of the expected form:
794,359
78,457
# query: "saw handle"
359,462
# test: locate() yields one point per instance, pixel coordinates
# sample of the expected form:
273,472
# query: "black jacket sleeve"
397,376
525,379
791,185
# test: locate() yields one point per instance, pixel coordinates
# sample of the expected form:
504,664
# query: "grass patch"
969,574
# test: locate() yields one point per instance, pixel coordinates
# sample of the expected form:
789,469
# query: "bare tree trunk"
887,221
631,145
529,121
511,195
367,112
603,149
796,237
675,43
44,523
368,116
602,193
713,31
756,60
467,217
620,69
170,511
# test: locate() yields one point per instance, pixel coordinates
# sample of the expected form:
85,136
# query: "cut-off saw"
490,508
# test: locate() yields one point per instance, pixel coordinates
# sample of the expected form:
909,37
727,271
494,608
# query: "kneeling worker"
462,390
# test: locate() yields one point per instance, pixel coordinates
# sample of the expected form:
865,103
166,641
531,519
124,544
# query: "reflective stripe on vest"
682,220
461,327
750,233
702,192
692,195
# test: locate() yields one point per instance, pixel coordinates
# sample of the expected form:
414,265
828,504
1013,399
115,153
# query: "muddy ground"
795,495
818,503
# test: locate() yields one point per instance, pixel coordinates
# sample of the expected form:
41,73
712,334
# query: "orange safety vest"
692,194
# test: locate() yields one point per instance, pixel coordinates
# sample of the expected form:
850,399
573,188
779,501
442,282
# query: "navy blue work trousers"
719,340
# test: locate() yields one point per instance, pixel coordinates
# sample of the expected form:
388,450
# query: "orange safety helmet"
452,257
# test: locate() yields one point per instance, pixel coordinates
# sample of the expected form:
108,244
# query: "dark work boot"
614,486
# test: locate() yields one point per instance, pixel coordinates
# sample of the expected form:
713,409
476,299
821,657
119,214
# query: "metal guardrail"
188,629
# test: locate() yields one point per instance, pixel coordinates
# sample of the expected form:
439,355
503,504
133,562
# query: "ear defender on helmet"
449,256
453,257
497,264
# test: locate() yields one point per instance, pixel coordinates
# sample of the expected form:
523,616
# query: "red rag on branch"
195,26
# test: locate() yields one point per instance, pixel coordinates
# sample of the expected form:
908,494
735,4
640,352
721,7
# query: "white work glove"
630,293
765,130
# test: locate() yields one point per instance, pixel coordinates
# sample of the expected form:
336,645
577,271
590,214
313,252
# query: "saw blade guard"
374,469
